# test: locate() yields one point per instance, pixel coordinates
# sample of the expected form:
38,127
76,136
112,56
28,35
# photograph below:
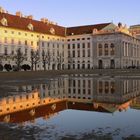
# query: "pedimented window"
4,22
30,27
52,30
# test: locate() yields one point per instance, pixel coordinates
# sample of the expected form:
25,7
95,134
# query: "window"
83,53
112,87
73,53
106,87
5,51
88,45
78,45
73,46
12,52
26,51
26,43
106,49
83,45
5,40
12,41
100,88
112,49
78,53
4,22
19,42
30,27
32,43
88,51
100,50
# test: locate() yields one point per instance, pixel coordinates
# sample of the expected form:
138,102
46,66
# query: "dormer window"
95,31
4,22
30,27
52,31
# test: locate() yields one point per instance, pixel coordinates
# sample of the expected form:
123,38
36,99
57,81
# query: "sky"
78,12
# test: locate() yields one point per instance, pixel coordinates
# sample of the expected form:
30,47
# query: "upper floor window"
88,45
68,46
5,40
12,41
4,22
78,45
112,49
73,46
83,45
100,49
106,49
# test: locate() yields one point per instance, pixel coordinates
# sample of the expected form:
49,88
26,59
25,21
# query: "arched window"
100,87
112,87
106,49
100,49
112,49
4,22
106,87
30,27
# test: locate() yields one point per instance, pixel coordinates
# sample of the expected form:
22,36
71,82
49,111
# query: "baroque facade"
46,45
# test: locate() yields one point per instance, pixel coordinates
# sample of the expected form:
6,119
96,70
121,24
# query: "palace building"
44,45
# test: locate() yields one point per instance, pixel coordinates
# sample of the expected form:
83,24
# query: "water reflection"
101,94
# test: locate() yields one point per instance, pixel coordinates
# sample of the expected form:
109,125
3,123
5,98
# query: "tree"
1,67
34,59
7,67
60,60
46,58
19,58
25,67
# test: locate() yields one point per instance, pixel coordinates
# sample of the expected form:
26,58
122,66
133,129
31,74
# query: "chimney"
2,10
30,17
18,13
44,20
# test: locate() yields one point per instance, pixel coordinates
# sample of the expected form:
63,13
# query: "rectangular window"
88,52
73,53
83,53
88,45
5,51
12,41
78,53
73,46
68,46
78,45
26,42
83,45
5,40
32,43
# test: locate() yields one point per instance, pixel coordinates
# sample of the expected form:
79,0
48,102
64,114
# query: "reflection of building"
104,94
104,45
135,29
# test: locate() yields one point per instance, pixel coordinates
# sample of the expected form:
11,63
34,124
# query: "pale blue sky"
78,12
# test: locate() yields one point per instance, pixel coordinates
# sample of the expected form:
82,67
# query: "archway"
63,66
100,64
53,67
112,64
58,67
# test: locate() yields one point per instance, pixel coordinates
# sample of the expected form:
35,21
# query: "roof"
87,29
135,26
22,23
